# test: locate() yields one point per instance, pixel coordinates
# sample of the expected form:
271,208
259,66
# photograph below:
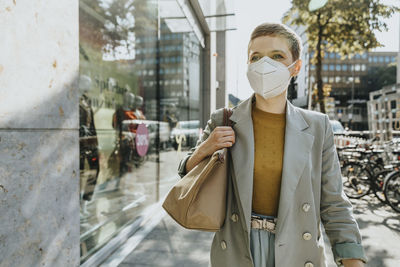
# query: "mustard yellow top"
269,139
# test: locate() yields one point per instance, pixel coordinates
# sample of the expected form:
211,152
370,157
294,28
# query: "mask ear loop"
291,65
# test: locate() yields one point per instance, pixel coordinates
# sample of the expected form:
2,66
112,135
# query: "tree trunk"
319,67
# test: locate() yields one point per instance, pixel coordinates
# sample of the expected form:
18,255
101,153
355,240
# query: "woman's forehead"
268,44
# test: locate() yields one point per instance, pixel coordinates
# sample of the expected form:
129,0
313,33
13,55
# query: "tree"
345,27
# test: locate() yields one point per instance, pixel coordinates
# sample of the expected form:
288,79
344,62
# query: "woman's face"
276,48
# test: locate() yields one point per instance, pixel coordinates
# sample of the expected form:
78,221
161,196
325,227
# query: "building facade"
351,81
299,86
384,112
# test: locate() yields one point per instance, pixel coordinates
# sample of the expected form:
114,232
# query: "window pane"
118,111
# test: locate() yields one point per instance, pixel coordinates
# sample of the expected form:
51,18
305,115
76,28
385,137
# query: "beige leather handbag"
198,200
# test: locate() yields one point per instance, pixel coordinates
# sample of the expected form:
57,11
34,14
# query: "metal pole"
158,103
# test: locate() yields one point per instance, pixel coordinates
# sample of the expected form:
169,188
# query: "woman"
284,174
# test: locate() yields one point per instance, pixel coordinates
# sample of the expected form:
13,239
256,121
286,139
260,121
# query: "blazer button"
306,207
307,236
234,217
309,264
223,244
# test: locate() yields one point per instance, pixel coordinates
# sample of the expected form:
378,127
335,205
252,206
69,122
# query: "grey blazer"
311,193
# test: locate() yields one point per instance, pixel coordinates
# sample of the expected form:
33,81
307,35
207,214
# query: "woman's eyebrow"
273,51
280,51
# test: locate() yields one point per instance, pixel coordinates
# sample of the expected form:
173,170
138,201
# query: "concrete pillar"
205,84
39,142
213,71
221,95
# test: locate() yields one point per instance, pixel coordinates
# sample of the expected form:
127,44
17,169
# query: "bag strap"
227,115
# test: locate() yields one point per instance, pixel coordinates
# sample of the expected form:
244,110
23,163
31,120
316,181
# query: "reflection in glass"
139,108
88,145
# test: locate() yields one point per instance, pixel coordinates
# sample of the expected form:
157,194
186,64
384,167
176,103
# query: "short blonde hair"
281,30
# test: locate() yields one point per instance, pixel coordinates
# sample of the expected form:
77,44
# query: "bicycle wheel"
377,184
356,180
392,190
374,168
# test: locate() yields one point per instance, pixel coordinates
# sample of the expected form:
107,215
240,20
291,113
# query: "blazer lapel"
296,148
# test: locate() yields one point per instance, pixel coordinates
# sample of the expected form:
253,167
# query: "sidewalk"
168,244
380,230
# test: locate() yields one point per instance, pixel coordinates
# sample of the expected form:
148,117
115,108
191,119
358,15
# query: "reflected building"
153,75
179,73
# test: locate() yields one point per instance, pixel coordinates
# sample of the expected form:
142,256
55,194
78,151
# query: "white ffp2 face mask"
268,77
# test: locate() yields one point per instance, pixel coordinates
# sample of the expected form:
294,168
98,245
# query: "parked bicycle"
368,167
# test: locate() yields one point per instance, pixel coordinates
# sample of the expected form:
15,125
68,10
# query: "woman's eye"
277,56
255,58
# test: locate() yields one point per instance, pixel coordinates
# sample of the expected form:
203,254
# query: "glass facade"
140,80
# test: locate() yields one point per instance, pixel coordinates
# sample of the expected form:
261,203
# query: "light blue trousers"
262,246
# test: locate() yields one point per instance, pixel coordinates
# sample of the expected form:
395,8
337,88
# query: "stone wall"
39,144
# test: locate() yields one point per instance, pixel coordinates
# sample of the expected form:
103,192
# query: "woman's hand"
352,263
220,137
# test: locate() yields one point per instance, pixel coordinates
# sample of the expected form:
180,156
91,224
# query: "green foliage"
347,26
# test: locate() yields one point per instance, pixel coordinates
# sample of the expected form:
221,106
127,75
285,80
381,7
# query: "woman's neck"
276,104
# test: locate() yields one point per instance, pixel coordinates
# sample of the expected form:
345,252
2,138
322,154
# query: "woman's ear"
296,68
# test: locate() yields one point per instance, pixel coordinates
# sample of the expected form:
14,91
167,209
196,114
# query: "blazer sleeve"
336,210
216,116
